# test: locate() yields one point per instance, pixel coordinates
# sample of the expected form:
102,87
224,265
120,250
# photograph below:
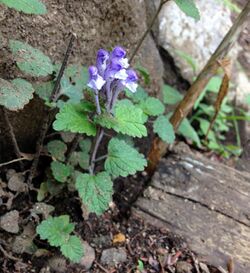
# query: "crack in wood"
202,204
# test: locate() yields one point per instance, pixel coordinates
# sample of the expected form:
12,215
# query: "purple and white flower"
96,81
111,75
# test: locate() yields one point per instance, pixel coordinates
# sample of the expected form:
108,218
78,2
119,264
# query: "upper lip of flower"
111,72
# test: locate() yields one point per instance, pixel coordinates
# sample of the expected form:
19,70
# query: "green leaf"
189,8
26,6
123,159
188,58
16,94
44,90
73,83
31,60
233,7
152,106
55,229
171,95
128,119
188,131
212,86
138,96
85,145
42,192
95,191
78,75
57,149
60,171
73,118
72,249
144,73
164,129
81,158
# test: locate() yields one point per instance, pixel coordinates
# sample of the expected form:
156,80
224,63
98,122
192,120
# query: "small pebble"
113,256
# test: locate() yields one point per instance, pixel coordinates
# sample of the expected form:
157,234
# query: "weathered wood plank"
205,202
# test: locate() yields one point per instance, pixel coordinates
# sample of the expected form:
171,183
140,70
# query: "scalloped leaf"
95,191
57,149
164,129
31,60
123,159
26,6
16,94
81,159
128,119
85,145
189,8
73,118
55,229
138,96
152,106
60,171
72,249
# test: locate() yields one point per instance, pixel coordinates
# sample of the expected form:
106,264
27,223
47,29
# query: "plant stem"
97,103
13,161
101,158
148,30
99,137
46,120
159,147
13,137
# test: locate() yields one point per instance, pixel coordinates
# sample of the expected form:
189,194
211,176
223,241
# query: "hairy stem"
148,30
98,140
46,119
97,103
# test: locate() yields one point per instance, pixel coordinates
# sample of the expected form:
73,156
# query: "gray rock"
113,256
89,256
184,267
57,264
102,241
178,32
9,221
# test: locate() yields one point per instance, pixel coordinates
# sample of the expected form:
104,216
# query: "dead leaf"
119,238
9,221
16,182
226,65
42,208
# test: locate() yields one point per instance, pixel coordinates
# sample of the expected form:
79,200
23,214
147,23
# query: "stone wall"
97,24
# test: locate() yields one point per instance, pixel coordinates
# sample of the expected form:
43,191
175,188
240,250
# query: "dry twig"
47,118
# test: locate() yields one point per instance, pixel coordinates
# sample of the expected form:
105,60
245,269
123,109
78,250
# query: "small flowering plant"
107,119
112,111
